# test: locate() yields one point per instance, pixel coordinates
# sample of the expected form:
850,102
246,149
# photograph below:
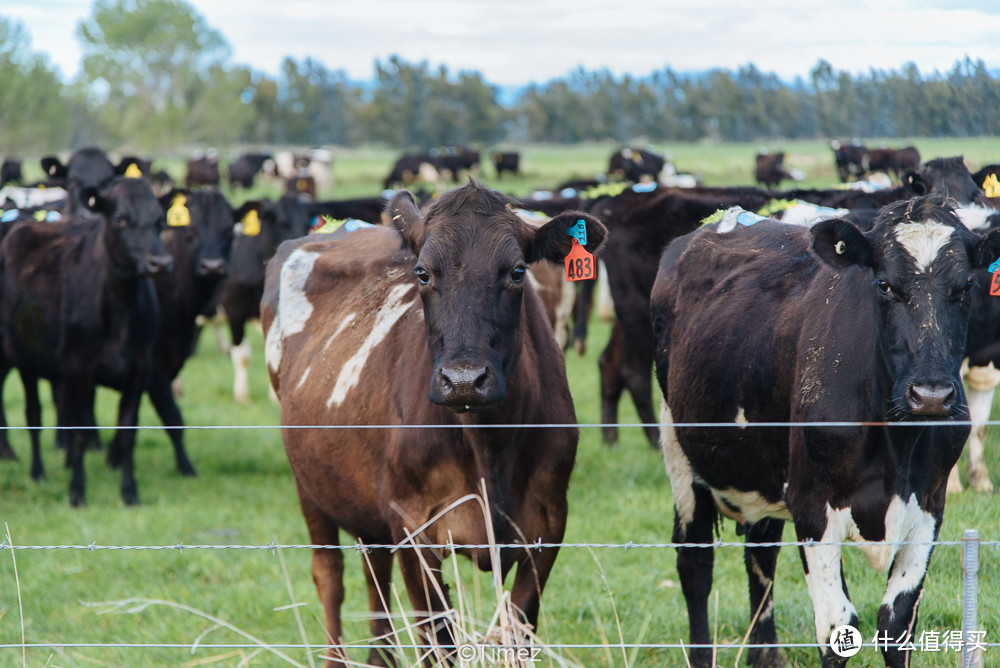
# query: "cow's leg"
897,615
824,572
162,397
33,416
982,382
612,382
378,575
6,452
760,564
581,314
429,598
128,416
76,397
239,353
694,519
327,572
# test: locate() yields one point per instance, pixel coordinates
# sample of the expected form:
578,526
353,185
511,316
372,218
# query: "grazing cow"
264,226
645,222
770,170
10,172
776,323
851,161
199,237
414,167
631,164
243,170
203,170
431,322
507,161
79,309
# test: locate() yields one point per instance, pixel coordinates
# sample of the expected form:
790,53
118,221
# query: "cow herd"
840,318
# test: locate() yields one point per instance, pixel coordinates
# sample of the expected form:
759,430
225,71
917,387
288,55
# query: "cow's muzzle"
210,267
931,399
158,265
466,386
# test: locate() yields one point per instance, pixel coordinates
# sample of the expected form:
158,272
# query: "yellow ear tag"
251,223
133,172
992,186
178,214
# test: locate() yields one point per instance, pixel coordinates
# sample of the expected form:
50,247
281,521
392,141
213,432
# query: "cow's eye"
422,275
517,275
884,287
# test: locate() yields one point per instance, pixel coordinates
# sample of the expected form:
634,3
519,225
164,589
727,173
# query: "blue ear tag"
52,216
578,231
355,224
746,218
9,215
644,187
993,267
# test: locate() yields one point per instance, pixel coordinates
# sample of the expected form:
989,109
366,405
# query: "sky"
514,42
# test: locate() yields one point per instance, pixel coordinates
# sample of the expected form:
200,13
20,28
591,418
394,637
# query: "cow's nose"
465,386
931,399
159,264
215,266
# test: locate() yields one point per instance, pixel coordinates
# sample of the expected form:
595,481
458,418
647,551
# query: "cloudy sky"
513,42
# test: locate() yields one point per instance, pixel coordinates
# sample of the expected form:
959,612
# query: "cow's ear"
93,200
407,219
554,240
987,249
53,167
840,244
915,183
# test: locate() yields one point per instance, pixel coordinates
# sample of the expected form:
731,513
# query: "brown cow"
429,322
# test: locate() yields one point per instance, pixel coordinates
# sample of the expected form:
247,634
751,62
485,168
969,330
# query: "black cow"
79,309
775,323
851,160
264,225
770,170
203,170
243,170
454,159
631,164
507,161
643,223
87,167
10,171
413,167
199,237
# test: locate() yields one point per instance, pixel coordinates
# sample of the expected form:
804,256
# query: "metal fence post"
971,656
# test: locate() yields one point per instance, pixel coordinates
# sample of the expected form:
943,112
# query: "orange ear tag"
580,265
995,284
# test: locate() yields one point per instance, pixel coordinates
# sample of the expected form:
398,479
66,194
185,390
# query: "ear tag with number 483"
580,265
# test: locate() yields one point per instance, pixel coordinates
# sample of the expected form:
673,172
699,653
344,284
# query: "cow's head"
920,260
951,179
201,222
133,219
472,254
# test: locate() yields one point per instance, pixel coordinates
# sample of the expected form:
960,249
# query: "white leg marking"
240,355
831,607
982,382
923,241
397,302
605,302
915,526
564,311
294,309
678,467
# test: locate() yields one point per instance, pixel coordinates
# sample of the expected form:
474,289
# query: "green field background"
244,495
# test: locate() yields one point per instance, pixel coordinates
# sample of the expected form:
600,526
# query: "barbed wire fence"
968,642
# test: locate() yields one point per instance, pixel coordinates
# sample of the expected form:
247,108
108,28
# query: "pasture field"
96,607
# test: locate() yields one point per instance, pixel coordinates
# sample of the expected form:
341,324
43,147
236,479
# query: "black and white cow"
779,324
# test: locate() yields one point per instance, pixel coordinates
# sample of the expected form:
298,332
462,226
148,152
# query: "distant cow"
631,164
440,309
770,170
411,168
893,161
243,170
507,161
203,170
10,171
830,324
851,161
199,237
79,309
452,160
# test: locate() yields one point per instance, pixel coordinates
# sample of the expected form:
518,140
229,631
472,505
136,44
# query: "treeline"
156,77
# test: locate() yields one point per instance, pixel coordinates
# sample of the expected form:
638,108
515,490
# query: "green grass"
245,495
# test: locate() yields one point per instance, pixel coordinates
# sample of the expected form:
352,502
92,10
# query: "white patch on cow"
294,308
302,378
564,313
397,302
744,506
923,241
605,302
766,583
678,467
240,355
974,217
916,526
831,607
807,214
741,416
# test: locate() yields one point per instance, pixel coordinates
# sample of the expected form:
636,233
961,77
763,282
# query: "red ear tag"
580,265
995,284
